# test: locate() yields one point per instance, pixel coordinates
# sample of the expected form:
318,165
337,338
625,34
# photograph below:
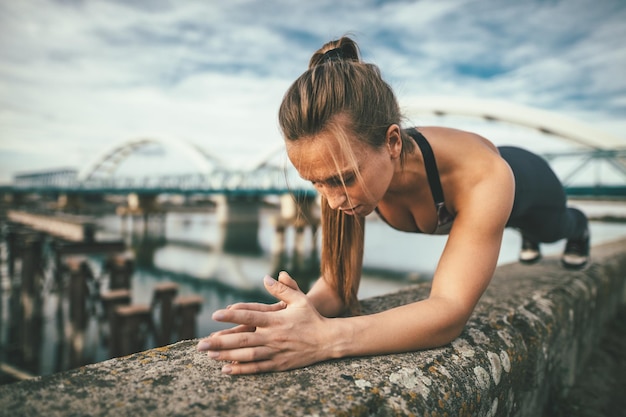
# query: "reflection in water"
56,311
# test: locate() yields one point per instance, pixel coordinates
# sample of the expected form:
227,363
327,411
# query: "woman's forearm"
325,299
421,325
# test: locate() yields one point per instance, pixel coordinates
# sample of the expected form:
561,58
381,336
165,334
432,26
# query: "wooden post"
12,249
30,295
110,301
79,275
163,300
131,326
120,269
187,308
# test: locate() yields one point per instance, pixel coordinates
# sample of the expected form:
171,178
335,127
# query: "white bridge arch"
273,168
542,120
494,110
108,161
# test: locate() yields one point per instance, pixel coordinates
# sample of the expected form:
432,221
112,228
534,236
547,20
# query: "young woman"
341,124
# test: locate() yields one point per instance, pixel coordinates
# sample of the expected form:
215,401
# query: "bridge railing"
264,180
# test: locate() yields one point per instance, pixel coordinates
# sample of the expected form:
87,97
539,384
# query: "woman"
341,124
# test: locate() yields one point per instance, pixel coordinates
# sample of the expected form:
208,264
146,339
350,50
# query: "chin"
363,211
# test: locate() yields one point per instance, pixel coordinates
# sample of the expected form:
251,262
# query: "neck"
409,176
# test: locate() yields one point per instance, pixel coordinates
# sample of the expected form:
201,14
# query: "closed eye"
337,181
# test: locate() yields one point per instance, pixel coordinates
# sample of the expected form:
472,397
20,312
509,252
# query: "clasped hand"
269,337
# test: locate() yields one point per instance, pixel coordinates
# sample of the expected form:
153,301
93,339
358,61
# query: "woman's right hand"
260,307
274,339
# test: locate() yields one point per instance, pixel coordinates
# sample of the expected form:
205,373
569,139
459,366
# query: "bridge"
605,154
209,175
593,151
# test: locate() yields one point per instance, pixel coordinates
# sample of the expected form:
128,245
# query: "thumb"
286,279
283,292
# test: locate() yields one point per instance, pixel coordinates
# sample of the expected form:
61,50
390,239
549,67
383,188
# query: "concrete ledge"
524,346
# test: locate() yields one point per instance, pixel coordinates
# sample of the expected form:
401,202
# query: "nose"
335,198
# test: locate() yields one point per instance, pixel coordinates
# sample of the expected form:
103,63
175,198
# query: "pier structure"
142,215
48,263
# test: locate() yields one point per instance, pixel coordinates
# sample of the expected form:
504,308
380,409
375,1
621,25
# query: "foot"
576,254
530,251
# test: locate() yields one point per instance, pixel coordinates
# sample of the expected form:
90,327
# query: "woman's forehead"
323,155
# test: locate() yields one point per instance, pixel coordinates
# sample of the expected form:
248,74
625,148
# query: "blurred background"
148,131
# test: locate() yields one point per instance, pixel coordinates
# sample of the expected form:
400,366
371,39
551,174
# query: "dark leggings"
539,209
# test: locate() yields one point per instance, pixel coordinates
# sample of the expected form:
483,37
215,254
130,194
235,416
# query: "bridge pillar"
70,202
297,213
13,199
238,218
145,215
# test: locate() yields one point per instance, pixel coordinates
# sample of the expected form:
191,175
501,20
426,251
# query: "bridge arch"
542,120
108,161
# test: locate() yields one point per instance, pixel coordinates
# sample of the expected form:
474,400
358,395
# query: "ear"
393,140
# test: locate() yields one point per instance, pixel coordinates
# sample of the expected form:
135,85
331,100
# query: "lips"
351,210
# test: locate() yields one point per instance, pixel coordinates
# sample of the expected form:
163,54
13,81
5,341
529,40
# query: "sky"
79,78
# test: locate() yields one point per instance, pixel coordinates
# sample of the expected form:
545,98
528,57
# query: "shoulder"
461,153
445,137
470,165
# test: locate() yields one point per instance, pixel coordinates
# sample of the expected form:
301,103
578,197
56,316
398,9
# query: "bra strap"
432,173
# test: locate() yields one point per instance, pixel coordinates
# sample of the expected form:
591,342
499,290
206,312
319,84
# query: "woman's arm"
299,335
325,299
463,273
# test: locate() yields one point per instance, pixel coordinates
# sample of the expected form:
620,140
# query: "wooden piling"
110,301
78,293
30,296
120,268
131,327
163,302
187,308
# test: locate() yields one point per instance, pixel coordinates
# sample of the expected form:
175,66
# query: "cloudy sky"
78,77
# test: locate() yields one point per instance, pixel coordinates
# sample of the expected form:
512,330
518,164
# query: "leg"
540,210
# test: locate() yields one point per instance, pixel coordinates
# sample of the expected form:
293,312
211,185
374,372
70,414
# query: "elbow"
456,331
449,334
451,328
452,319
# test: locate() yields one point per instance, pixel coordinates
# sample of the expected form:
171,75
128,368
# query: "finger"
237,329
257,306
253,354
230,341
286,279
244,317
282,291
247,368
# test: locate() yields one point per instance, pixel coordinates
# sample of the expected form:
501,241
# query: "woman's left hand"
270,339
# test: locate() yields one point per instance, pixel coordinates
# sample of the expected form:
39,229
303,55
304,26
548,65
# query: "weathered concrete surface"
601,392
524,346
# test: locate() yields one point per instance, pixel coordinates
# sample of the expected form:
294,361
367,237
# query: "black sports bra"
445,219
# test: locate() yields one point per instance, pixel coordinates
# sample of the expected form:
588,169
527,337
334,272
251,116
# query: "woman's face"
353,178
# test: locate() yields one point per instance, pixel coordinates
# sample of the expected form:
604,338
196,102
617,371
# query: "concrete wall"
523,348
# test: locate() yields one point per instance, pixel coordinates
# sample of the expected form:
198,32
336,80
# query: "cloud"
78,76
